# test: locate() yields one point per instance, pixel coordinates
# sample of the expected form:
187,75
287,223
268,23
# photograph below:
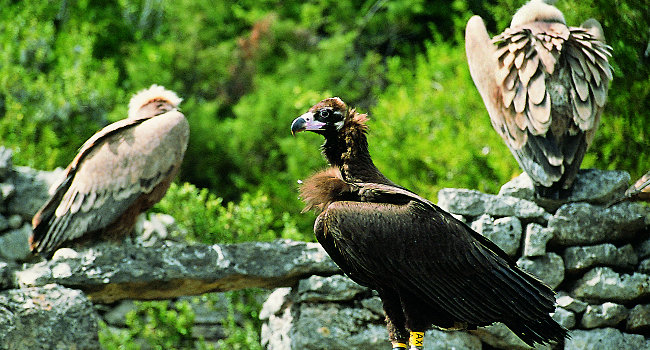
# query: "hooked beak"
306,122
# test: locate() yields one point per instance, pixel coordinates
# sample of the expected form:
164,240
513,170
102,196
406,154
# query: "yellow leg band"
397,346
417,340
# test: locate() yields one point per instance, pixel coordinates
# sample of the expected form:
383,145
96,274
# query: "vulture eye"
325,113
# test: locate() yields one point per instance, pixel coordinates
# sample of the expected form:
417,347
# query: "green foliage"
153,325
203,217
430,114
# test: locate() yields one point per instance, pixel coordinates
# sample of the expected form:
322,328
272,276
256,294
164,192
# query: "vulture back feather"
544,85
119,172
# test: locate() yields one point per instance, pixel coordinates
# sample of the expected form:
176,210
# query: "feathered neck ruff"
347,149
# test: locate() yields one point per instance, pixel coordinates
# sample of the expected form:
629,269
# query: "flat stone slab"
585,224
591,185
108,272
535,239
31,189
47,317
504,232
639,319
605,339
548,268
332,288
603,283
474,203
324,325
580,258
604,315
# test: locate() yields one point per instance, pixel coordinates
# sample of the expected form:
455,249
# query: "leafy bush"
205,218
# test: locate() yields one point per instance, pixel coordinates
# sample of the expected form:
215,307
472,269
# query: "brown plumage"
429,268
121,171
544,85
640,190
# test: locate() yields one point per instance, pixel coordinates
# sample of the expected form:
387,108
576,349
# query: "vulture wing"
544,85
640,189
115,167
390,236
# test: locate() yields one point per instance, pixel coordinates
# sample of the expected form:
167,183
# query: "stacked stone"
596,257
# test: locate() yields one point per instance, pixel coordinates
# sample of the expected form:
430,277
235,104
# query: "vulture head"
153,101
537,11
326,117
346,144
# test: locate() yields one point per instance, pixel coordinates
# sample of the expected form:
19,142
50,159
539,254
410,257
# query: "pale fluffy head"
537,11
153,93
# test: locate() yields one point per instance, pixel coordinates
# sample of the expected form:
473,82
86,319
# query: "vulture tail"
538,331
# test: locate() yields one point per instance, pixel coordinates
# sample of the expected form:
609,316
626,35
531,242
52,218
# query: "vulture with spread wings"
544,85
120,172
429,268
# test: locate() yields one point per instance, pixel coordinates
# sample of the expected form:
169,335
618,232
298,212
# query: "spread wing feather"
542,83
116,166
396,237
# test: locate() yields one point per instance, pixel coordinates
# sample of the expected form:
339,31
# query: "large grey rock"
504,232
499,336
639,319
584,224
475,203
14,245
535,239
31,188
333,288
603,283
580,258
15,221
116,316
565,318
607,314
5,161
591,185
605,339
109,272
349,325
324,326
442,340
7,270
6,191
570,303
548,268
48,317
644,266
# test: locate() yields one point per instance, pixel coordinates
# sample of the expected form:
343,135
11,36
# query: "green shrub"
203,217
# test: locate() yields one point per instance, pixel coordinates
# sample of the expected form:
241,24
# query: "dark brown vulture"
544,86
121,171
429,268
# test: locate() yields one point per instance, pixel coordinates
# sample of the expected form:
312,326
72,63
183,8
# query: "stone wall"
598,259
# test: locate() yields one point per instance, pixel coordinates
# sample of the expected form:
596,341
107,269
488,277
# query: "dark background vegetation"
246,69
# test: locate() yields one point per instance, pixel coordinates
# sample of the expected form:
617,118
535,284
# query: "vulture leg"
395,320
